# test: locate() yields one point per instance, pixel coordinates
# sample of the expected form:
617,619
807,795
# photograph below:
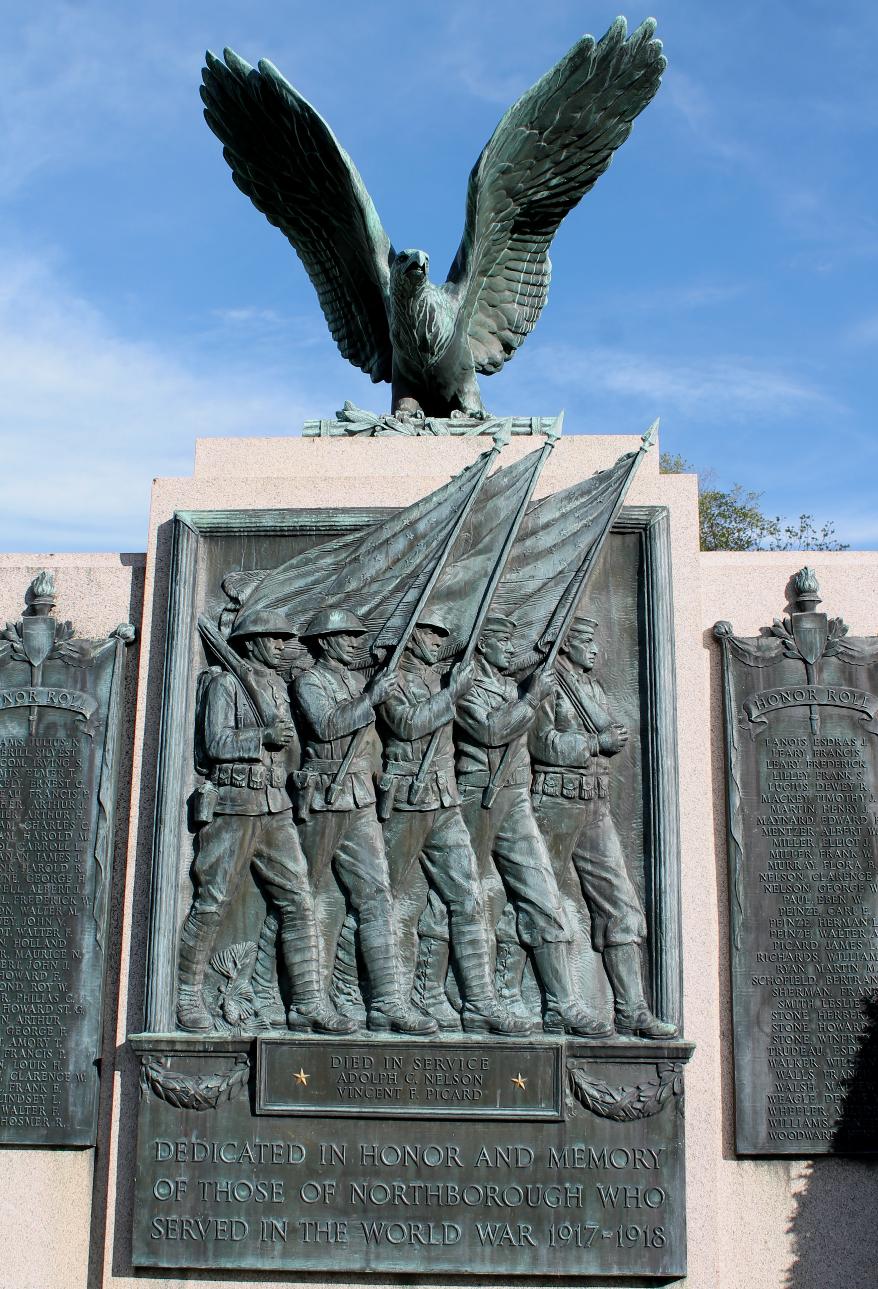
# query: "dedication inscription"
59,733
802,739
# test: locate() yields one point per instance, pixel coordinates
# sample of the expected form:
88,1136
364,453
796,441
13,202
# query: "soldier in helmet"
340,827
495,713
252,827
428,846
572,742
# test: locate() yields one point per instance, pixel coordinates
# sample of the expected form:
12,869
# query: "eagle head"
421,314
408,272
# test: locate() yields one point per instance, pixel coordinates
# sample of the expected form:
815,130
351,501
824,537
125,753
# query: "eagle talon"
477,414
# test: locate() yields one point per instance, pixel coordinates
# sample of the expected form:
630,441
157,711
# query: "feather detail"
286,159
549,149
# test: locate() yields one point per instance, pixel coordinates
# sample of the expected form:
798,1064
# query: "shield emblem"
810,632
37,638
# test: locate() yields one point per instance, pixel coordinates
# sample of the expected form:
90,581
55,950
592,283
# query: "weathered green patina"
385,315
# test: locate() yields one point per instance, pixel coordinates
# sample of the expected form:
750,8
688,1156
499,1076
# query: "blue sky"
721,275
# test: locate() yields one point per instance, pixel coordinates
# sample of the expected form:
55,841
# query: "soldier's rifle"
592,725
573,593
552,436
240,669
501,438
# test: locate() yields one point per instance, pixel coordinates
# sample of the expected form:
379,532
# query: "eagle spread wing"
285,158
546,153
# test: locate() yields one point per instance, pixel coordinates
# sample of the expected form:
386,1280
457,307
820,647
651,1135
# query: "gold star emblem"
519,1081
301,1077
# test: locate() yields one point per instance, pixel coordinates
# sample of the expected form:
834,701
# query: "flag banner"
554,538
377,573
456,597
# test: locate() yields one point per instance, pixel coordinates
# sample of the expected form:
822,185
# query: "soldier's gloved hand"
613,739
461,680
379,690
279,734
538,686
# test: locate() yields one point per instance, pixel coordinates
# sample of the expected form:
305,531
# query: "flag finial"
555,430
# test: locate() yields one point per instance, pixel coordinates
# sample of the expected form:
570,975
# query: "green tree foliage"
733,520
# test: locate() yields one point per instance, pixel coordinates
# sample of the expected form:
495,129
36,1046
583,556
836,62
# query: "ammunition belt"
238,774
569,783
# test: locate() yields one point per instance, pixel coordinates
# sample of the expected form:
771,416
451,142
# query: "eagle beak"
419,264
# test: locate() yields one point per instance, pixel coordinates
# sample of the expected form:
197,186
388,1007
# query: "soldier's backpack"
202,684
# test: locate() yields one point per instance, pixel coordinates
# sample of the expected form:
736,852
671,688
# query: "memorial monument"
398,755
428,777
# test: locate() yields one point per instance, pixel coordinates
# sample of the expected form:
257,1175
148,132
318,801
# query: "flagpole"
501,438
581,576
552,436
584,571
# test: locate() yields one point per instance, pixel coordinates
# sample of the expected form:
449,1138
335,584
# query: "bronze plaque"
599,1191
802,737
464,1080
59,728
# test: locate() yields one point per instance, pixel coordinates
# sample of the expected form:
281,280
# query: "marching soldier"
427,842
572,741
493,714
248,823
340,828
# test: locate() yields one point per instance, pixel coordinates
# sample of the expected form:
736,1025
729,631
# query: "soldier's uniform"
491,716
341,829
572,806
425,829
252,827
506,838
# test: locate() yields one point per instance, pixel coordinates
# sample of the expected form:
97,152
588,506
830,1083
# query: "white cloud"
77,81
702,114
89,416
715,390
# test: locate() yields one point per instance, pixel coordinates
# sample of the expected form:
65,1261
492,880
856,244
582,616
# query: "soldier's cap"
334,622
261,622
495,624
589,625
435,620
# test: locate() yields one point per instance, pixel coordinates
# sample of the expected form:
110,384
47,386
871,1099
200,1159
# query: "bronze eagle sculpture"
384,313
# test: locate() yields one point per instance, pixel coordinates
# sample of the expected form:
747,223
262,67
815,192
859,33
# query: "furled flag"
554,541
457,594
379,573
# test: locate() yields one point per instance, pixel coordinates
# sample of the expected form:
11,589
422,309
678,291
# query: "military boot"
308,1010
624,968
428,992
387,1011
482,1013
196,942
562,1014
267,1003
511,960
344,991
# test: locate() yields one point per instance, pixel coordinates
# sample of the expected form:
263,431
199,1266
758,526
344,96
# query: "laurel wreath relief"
192,1091
622,1104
